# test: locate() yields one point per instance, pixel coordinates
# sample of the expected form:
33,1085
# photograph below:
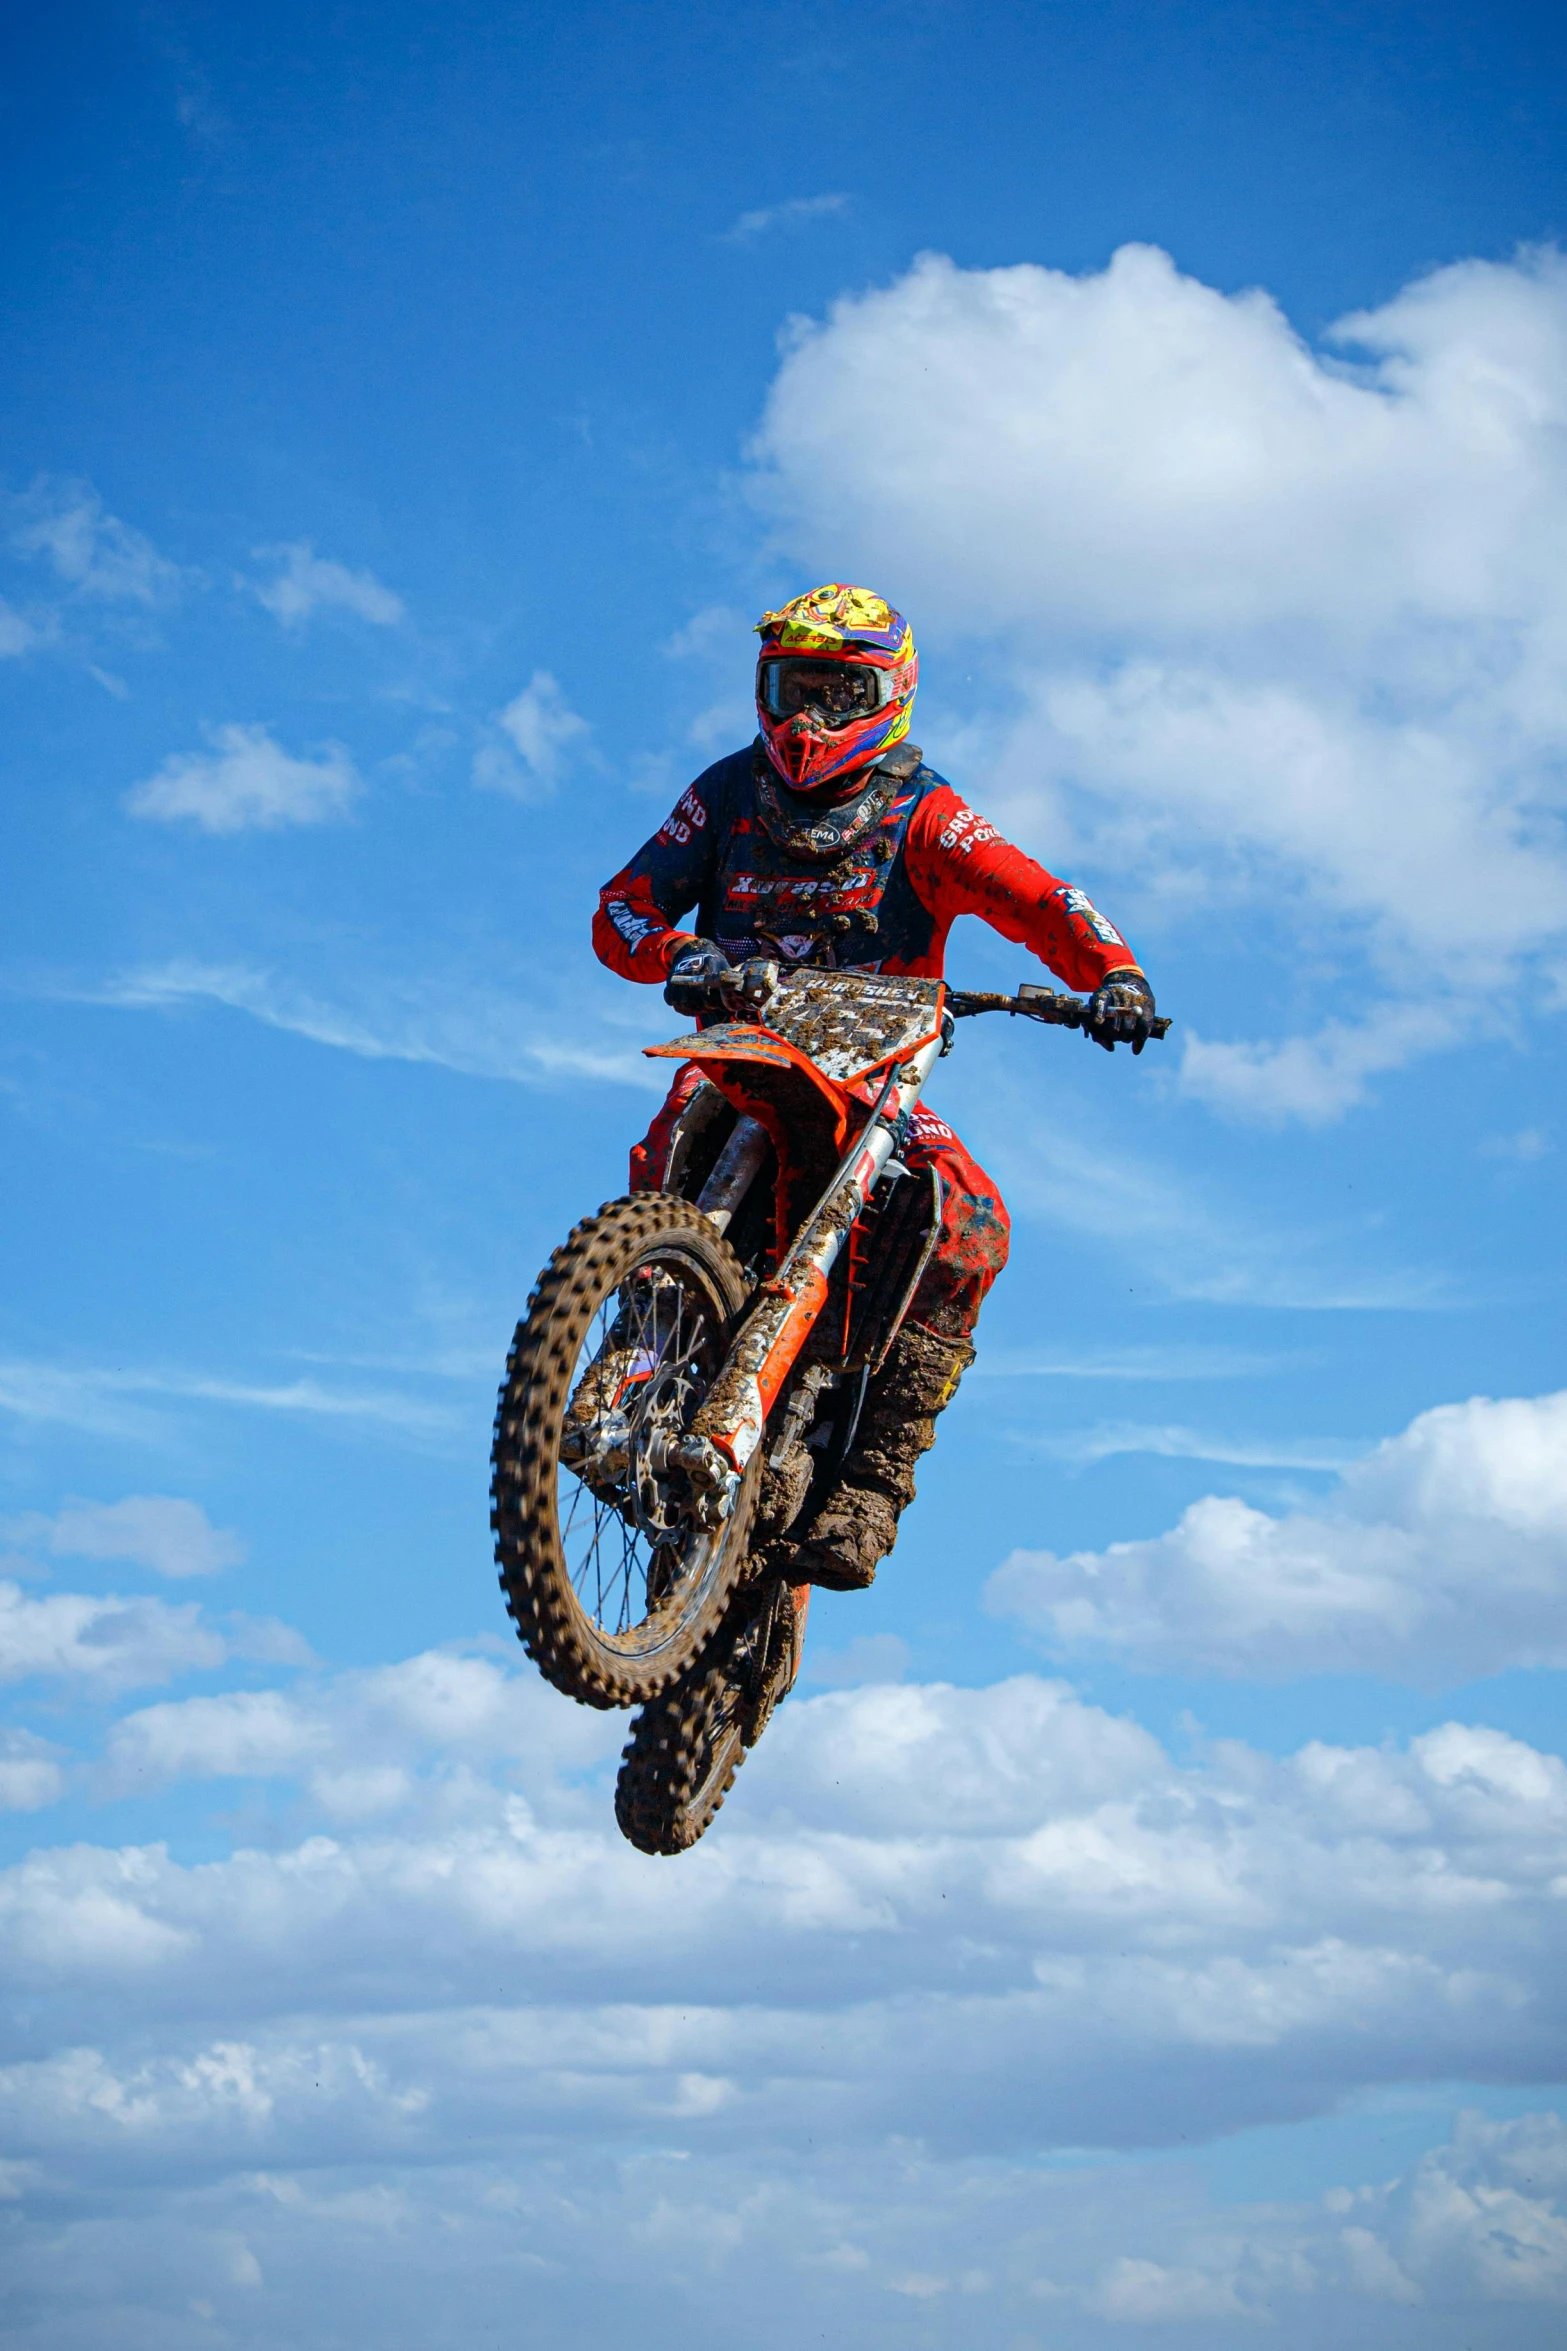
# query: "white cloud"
1442,1555
93,1397
247,782
358,1744
1107,1439
65,524
160,1531
1173,1363
1282,627
862,2249
110,1643
308,582
874,1657
1525,1146
540,728
1196,1238
244,1734
479,1030
793,213
1143,2293
935,1932
1168,1949
30,1778
20,632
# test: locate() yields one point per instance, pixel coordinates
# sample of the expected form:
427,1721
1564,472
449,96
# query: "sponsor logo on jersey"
965,832
688,816
633,928
1075,901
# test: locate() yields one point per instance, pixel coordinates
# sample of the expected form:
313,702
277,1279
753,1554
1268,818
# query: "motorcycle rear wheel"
686,1746
613,1585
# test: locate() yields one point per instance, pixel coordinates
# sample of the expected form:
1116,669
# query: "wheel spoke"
624,1552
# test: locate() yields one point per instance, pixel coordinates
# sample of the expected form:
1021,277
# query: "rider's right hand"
698,978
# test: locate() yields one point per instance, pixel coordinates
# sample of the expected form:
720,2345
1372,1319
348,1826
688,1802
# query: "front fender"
808,1117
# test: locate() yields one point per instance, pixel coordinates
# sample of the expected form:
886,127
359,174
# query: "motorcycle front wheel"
610,1576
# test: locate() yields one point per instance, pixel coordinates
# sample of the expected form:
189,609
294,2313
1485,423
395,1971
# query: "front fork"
728,1428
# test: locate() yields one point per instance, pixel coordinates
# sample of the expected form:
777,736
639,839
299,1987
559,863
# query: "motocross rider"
829,841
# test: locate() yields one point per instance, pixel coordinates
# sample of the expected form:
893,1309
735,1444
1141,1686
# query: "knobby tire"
686,1746
598,1667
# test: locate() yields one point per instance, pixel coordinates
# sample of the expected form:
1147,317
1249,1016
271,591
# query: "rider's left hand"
1120,1011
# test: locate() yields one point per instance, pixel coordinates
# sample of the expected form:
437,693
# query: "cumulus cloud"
1067,1923
172,1536
935,1932
1442,1554
357,1743
306,582
109,1643
30,1776
540,728
868,2248
247,782
1282,625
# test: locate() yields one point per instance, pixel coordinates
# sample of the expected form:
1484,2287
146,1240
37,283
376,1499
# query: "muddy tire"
680,1761
681,1758
614,1591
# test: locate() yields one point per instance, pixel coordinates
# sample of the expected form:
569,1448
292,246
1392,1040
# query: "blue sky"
1145,1922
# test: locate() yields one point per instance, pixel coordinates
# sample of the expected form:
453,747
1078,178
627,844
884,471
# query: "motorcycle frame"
731,1422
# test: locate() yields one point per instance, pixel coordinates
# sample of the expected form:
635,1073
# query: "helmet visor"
837,691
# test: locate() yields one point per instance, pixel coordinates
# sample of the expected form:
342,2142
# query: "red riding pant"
975,1228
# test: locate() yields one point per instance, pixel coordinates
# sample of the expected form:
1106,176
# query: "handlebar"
1059,1011
750,984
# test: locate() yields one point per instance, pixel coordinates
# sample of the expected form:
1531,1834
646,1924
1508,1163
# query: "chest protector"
821,886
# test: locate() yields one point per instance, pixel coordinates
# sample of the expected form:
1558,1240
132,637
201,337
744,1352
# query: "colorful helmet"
835,683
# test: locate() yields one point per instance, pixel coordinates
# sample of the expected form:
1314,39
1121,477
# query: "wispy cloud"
1526,1146
23,632
247,783
1194,1244
1138,1363
1315,1079
1109,1438
66,525
791,214
536,735
478,1033
94,1397
308,582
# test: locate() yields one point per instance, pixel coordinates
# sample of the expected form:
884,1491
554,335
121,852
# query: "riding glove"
697,978
1120,1011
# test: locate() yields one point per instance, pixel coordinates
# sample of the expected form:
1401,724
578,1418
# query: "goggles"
838,692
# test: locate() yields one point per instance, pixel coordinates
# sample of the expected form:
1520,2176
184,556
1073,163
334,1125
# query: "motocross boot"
858,1523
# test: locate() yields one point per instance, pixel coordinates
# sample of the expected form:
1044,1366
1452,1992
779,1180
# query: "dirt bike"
690,1349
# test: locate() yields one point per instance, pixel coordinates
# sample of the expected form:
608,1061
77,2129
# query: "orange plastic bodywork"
808,1117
